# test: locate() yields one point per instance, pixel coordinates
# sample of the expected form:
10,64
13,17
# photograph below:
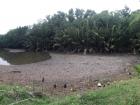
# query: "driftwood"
16,71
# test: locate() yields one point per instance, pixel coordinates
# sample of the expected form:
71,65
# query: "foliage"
80,30
14,38
137,68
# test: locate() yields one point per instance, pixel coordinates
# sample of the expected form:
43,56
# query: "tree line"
79,31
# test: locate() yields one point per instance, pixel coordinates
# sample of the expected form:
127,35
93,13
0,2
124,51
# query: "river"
19,58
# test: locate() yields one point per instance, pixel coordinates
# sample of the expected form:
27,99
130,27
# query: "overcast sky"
14,13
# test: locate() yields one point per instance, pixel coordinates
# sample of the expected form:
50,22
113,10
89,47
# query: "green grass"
137,68
119,93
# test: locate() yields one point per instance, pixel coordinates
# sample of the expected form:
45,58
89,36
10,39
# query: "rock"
30,94
129,73
99,84
72,89
108,83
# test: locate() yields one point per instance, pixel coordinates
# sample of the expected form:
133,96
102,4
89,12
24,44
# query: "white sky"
14,13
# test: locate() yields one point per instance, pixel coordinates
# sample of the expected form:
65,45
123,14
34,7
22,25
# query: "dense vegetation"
122,93
79,31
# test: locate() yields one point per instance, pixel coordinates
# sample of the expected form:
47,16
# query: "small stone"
31,94
108,83
99,84
129,73
72,89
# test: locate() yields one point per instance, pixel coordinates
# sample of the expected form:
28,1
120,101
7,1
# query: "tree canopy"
77,30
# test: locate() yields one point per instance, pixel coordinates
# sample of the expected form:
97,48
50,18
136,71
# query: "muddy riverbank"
70,69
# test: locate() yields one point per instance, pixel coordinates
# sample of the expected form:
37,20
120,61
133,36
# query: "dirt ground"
71,71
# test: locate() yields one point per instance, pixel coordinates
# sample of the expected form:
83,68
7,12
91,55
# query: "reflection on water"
8,58
3,62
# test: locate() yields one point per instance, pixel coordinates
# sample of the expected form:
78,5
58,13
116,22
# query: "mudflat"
69,67
64,73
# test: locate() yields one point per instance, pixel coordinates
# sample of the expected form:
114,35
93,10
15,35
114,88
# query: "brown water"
19,58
